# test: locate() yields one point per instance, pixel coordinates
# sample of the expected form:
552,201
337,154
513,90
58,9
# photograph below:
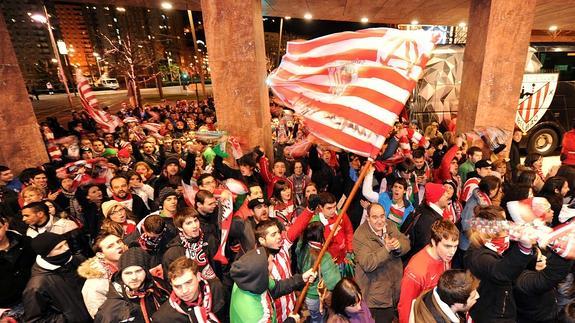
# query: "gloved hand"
313,202
258,153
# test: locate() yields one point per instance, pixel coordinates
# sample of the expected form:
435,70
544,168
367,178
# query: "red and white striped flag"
351,86
107,121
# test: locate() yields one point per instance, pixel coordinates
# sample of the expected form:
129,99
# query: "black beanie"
43,243
164,193
172,160
134,257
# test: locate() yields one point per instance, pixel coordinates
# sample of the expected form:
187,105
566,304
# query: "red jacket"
442,173
269,177
568,147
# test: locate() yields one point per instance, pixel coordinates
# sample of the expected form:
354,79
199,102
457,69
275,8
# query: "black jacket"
226,171
175,249
15,266
55,295
497,274
119,308
418,227
535,291
327,178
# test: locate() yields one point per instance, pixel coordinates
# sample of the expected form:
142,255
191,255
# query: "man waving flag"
105,120
351,86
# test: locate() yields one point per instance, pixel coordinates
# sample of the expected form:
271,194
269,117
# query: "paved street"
57,105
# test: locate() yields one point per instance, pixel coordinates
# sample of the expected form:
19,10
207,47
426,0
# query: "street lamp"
44,19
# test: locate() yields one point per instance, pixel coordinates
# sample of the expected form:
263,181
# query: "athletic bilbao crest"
537,92
341,76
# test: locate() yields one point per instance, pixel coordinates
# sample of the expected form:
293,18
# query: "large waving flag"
351,86
107,121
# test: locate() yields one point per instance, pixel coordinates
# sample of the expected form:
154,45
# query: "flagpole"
315,267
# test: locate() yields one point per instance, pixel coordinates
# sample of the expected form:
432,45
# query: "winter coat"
54,225
269,177
378,272
497,274
535,291
227,172
53,294
119,308
15,266
328,270
418,227
326,177
96,285
176,249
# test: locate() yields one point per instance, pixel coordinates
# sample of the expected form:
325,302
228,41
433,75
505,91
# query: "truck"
546,106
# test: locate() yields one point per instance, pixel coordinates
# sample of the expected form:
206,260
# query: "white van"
109,83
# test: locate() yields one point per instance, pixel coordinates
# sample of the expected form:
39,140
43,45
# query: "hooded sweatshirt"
253,291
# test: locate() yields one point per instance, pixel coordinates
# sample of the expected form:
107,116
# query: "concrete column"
493,62
21,143
235,41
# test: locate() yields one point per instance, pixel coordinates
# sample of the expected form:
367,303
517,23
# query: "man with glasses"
378,247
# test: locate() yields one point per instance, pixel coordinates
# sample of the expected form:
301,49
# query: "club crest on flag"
341,76
537,92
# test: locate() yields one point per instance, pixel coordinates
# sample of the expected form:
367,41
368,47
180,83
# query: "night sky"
315,28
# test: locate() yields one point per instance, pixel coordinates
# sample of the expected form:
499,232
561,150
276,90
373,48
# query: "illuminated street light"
96,54
45,20
54,60
364,20
121,9
287,17
308,16
415,22
39,18
167,6
553,28
462,24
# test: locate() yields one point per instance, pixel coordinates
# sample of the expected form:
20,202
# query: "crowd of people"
168,219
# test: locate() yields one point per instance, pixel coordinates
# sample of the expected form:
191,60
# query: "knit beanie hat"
134,257
433,192
165,193
124,153
108,206
171,160
43,243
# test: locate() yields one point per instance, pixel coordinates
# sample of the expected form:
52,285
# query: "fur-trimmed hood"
92,268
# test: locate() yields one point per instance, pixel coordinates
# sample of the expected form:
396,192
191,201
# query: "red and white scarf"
202,306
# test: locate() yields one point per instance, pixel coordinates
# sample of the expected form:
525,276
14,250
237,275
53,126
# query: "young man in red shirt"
426,266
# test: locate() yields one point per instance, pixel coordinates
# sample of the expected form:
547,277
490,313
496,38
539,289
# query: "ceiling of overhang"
434,12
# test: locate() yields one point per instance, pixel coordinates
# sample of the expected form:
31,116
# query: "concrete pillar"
493,62
21,143
235,41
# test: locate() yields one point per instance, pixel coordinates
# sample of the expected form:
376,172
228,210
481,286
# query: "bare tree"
129,57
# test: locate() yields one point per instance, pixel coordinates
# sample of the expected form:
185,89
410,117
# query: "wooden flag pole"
315,267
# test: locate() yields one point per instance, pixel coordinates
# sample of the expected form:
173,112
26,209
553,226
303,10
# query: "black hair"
38,207
3,168
531,159
401,181
418,153
326,198
201,178
345,293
